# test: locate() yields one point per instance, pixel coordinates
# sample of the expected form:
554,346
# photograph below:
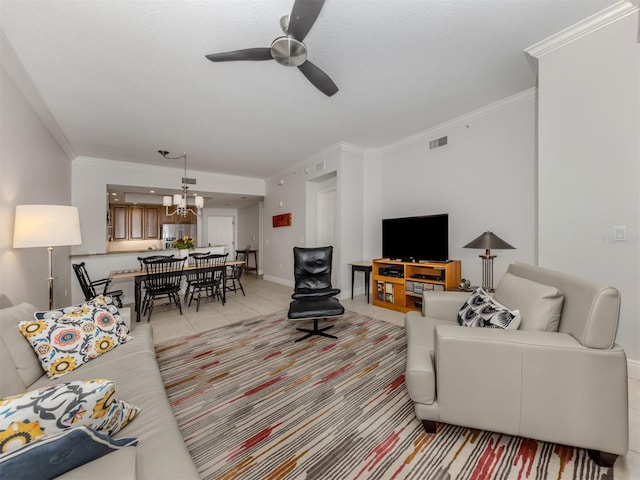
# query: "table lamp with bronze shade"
46,226
488,241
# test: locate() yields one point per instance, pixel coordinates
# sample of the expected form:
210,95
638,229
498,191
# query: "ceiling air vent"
438,142
320,166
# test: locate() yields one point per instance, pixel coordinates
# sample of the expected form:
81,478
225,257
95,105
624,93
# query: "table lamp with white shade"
46,226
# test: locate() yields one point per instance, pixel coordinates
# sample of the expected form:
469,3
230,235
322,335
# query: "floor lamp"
46,226
487,241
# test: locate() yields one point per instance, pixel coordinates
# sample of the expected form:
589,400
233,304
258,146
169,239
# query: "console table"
244,256
365,267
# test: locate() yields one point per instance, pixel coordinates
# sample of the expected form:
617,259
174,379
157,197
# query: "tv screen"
412,239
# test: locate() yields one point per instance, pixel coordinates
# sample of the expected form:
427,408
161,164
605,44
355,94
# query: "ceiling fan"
289,50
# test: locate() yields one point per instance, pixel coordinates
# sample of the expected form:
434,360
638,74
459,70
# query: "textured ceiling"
125,78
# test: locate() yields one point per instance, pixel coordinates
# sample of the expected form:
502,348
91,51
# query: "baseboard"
633,368
282,281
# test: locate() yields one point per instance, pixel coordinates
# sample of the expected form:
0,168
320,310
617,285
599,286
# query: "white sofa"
160,452
564,381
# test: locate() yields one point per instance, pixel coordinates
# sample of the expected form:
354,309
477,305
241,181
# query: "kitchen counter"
118,253
216,249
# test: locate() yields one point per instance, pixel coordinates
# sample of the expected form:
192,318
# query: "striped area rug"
252,404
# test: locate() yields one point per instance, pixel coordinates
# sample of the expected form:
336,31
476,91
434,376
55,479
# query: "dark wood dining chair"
97,287
209,277
164,278
232,283
191,275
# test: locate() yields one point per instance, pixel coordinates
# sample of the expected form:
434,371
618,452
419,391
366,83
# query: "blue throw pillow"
57,454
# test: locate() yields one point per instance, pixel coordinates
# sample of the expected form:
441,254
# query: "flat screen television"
414,239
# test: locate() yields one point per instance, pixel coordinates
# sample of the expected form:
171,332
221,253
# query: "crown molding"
462,120
144,168
575,32
14,67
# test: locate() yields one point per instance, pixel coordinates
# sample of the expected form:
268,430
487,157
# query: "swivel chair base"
315,331
315,309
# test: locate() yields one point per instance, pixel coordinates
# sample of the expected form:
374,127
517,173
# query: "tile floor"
265,297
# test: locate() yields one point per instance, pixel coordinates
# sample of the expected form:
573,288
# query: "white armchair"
559,378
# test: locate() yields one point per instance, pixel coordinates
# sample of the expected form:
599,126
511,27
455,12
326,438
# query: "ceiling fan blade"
319,79
303,16
246,54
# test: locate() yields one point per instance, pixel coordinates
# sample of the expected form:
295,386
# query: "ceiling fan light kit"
289,50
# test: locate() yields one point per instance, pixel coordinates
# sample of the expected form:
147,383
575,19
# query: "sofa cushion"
480,310
27,417
120,464
540,305
60,453
66,338
20,365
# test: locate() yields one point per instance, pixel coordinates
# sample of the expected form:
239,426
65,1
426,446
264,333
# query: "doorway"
327,210
221,232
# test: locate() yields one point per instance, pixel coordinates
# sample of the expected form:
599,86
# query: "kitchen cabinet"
178,219
152,222
135,222
120,222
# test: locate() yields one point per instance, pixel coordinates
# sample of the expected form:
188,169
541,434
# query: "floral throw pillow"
66,338
27,417
481,310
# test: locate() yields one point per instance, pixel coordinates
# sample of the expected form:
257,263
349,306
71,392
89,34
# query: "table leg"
366,283
353,277
138,281
224,285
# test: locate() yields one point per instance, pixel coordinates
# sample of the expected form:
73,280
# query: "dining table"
139,275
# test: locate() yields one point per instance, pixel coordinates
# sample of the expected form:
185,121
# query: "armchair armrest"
443,305
542,385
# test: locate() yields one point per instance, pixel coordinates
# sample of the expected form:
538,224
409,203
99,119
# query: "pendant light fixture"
179,201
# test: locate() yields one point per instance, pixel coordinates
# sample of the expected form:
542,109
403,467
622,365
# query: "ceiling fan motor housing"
288,51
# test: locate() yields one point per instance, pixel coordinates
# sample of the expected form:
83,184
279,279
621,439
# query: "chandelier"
179,201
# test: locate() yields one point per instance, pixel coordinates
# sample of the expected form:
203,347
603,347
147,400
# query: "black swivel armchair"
313,296
89,288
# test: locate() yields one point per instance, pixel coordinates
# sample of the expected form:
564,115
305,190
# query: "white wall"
589,176
372,205
484,178
91,176
350,216
34,170
248,228
290,188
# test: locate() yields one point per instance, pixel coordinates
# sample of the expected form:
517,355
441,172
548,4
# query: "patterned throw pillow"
66,338
55,455
480,310
27,417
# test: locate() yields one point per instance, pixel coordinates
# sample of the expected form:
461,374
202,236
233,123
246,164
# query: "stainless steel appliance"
171,232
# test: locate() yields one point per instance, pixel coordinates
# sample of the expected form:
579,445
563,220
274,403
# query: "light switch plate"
620,233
